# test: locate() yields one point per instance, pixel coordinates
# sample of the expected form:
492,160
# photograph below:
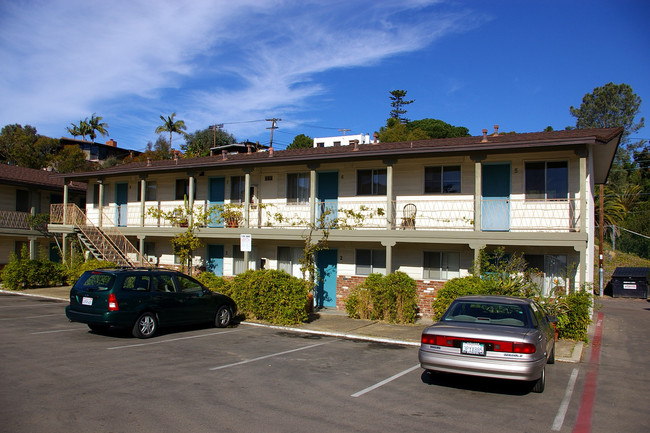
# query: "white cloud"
62,60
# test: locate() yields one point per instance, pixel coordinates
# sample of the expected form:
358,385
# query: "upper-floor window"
22,200
298,187
441,265
371,182
237,189
150,193
183,189
370,261
547,180
442,180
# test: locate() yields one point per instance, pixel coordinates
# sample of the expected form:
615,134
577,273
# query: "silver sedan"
500,337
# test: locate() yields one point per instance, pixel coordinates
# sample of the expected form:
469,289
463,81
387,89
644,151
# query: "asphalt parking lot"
59,376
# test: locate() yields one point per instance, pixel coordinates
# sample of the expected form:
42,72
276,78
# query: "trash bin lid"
624,272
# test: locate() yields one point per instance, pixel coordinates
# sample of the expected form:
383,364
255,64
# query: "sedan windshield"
488,313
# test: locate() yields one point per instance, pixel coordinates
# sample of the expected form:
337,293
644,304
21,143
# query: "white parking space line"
561,413
385,381
30,317
60,330
149,343
268,356
30,305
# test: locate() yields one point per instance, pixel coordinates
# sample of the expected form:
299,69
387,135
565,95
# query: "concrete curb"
32,295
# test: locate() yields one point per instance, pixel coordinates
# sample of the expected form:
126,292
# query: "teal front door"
327,195
214,261
495,202
216,195
121,203
326,288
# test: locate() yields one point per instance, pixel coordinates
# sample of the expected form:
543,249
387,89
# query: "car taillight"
112,303
524,348
492,345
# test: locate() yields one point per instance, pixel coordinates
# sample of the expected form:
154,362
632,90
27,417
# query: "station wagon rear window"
95,281
488,313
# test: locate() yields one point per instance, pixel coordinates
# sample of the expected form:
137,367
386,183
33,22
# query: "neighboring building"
343,140
245,147
98,152
25,192
429,207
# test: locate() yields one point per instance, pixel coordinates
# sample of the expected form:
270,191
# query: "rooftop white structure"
341,140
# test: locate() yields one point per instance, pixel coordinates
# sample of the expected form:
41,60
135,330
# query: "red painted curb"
585,413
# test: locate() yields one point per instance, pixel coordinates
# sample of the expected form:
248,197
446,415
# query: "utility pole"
214,132
601,229
272,127
344,131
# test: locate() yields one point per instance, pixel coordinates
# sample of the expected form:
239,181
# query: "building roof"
29,177
604,142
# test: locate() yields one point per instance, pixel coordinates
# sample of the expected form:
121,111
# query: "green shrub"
576,323
271,295
470,285
215,283
25,273
392,298
79,267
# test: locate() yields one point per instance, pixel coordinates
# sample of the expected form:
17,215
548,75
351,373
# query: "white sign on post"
245,243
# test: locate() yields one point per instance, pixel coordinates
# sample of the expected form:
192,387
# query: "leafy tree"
22,146
200,141
71,159
301,141
95,124
170,125
436,128
423,129
398,103
613,105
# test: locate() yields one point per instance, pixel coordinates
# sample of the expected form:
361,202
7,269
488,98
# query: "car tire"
98,328
539,384
223,317
551,358
146,326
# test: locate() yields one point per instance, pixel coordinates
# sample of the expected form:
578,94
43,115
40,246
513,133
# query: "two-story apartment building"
425,208
25,192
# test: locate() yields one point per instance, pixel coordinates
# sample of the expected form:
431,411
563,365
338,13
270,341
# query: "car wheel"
146,326
551,359
98,328
223,317
539,384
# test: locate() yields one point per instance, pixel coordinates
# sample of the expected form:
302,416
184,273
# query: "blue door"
495,203
216,195
121,201
214,261
327,194
326,288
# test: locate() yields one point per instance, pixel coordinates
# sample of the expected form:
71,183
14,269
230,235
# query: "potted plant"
232,214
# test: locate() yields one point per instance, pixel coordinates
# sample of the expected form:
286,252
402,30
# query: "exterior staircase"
104,244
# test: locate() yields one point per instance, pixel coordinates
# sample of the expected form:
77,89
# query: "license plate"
473,348
86,301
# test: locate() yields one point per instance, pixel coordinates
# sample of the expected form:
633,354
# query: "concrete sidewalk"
337,324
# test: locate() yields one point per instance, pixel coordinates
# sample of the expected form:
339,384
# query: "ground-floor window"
370,262
553,271
441,265
289,260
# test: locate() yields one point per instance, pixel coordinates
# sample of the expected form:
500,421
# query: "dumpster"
630,283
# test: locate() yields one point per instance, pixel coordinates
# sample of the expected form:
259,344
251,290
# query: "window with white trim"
370,262
547,180
440,265
371,182
442,180
298,188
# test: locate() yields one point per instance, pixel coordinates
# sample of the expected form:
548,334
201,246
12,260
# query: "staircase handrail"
120,241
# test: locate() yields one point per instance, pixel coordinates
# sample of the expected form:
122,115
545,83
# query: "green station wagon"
144,300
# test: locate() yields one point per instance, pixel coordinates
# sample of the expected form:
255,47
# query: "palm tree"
171,126
95,124
83,129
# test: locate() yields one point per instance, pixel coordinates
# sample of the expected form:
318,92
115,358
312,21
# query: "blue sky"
320,66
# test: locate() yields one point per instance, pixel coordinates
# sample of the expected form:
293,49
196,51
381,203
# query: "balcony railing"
455,214
14,220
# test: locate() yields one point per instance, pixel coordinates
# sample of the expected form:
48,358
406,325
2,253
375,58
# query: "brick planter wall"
426,292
